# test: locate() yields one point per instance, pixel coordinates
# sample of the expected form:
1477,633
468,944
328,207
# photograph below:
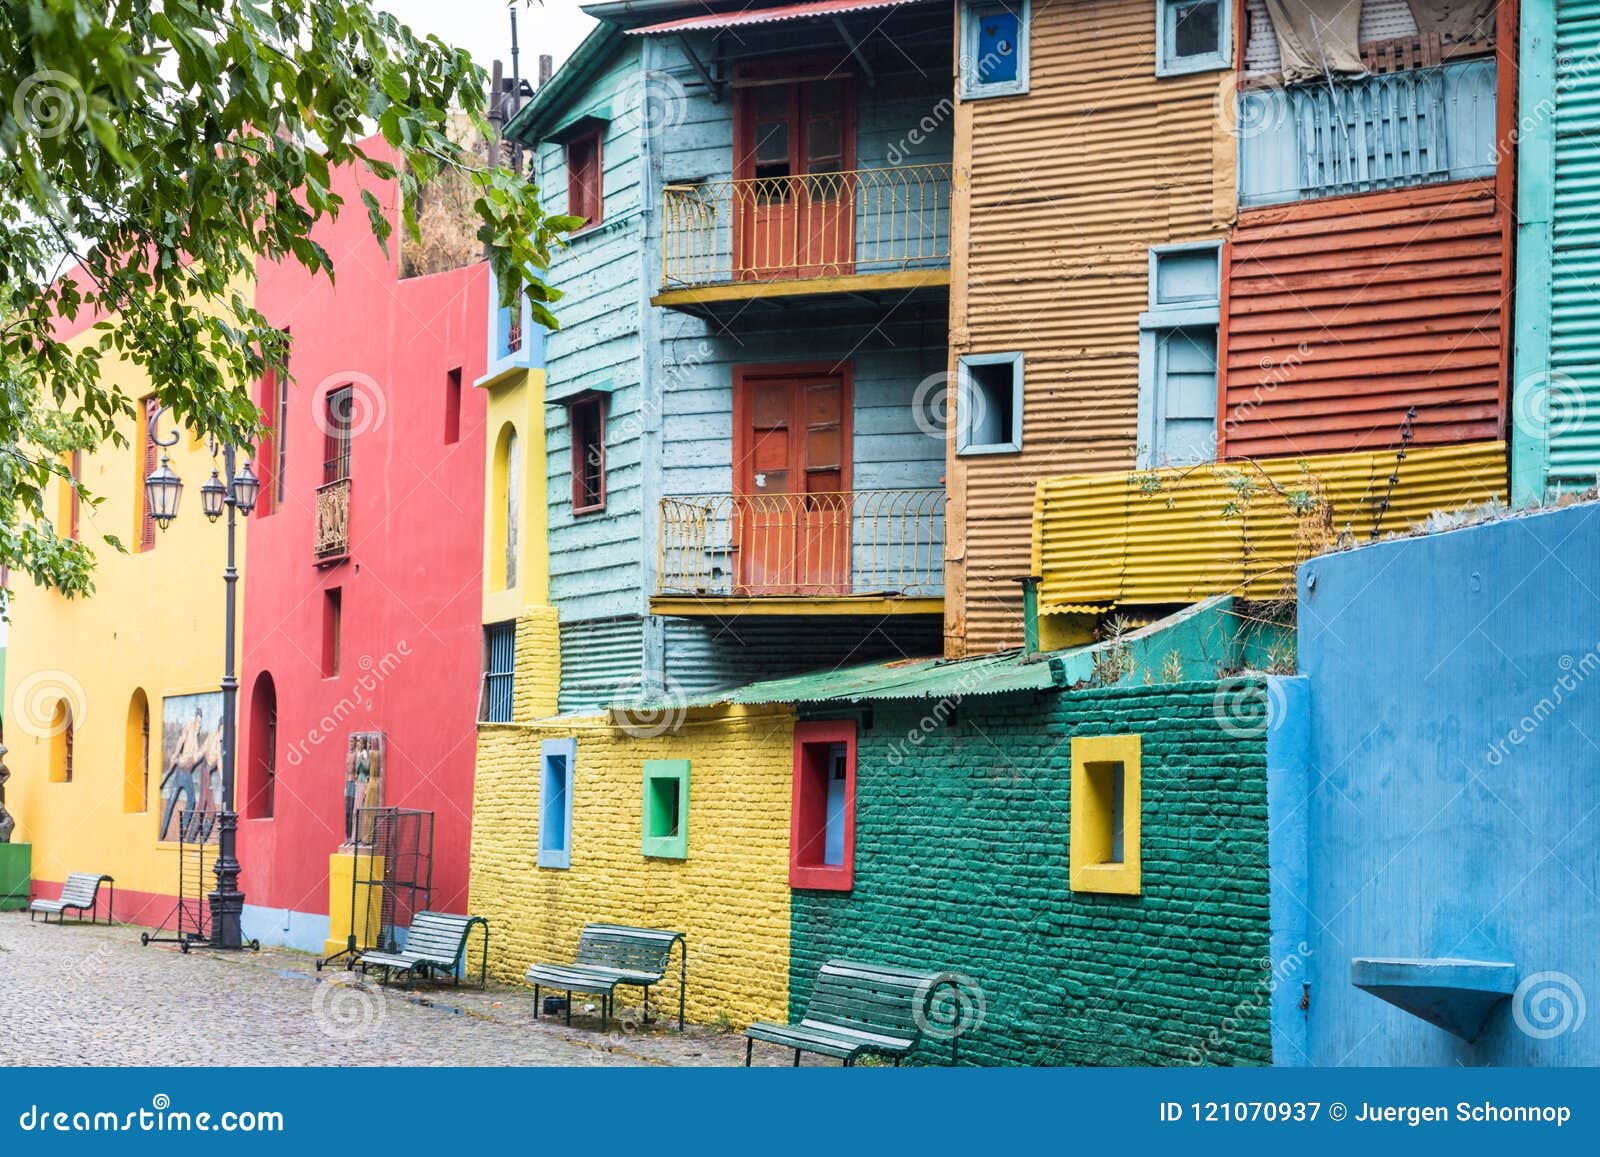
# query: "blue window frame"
1178,356
556,760
994,48
989,404
1193,36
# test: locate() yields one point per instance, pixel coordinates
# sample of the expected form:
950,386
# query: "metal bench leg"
569,1009
646,1004
797,1058
536,1002
605,1012
749,1045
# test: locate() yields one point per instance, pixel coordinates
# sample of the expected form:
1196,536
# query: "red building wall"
410,589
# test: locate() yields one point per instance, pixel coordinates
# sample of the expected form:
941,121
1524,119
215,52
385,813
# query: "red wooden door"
792,497
794,213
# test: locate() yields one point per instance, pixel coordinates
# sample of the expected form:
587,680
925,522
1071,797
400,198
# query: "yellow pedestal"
341,878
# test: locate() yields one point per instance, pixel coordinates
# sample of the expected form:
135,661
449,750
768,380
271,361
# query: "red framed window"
267,464
587,417
332,630
822,824
452,406
585,178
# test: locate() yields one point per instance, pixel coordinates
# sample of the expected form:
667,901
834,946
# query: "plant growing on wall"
151,151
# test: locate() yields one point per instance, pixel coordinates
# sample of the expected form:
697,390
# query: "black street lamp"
162,490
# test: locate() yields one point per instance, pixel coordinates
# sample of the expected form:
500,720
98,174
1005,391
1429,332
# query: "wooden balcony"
837,552
333,522
861,231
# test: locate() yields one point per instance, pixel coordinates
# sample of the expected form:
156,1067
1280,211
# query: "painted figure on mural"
191,756
363,783
7,824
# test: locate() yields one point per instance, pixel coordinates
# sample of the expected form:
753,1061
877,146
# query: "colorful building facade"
360,680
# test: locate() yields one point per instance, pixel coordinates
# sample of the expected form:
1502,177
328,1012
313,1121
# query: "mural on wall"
363,784
191,767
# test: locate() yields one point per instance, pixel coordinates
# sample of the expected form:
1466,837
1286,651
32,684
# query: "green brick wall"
961,864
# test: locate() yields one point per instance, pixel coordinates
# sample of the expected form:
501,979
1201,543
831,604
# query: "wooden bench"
436,945
613,954
81,893
856,1010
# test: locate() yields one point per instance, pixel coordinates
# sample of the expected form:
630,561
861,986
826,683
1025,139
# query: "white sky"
483,27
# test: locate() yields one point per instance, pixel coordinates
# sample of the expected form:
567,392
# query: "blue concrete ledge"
1455,995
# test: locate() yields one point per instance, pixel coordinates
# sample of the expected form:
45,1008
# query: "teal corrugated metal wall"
1574,417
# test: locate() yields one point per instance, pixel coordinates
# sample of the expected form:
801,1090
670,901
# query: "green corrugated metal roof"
905,679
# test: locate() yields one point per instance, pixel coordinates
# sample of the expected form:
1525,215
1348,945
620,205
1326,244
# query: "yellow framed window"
1104,847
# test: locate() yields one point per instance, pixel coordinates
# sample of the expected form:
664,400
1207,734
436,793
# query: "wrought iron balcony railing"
816,225
333,521
831,544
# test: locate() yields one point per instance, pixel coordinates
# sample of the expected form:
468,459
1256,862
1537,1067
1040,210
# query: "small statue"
7,824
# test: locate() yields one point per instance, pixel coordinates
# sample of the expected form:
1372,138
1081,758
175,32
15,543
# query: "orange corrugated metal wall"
1344,312
1068,188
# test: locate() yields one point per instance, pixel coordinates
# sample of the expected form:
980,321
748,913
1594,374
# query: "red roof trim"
766,15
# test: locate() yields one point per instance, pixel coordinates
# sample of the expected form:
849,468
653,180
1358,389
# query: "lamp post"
162,490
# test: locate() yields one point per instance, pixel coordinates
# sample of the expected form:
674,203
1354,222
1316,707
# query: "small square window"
452,406
556,759
1193,36
1104,837
332,630
994,48
989,407
822,825
666,808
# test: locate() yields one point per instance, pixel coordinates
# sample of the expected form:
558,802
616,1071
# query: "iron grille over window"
500,651
336,452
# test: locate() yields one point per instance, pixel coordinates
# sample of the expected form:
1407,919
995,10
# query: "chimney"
546,67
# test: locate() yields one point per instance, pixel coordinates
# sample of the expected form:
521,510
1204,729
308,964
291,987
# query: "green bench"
436,945
856,1010
81,893
613,954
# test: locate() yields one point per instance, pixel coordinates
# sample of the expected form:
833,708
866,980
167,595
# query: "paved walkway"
92,995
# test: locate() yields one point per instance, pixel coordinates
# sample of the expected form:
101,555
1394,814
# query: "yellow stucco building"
86,679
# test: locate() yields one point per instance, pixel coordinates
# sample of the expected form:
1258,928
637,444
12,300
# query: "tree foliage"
151,151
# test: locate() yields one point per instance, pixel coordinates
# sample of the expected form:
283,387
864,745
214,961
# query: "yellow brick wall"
537,683
730,896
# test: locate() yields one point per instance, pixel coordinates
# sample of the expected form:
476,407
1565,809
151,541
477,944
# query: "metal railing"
814,225
822,544
333,521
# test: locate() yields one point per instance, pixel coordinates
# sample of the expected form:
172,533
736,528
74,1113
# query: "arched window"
61,743
263,752
506,507
136,755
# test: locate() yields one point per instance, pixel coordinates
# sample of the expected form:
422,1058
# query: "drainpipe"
1030,614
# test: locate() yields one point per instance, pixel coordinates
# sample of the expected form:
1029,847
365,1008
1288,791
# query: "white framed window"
989,404
994,48
1193,36
557,758
1178,355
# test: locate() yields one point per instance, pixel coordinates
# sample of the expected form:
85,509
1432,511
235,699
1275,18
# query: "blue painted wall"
1454,742
669,427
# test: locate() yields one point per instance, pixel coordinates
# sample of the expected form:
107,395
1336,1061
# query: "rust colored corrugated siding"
1343,313
1069,187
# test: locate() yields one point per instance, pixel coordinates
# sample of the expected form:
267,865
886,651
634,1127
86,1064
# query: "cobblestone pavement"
92,995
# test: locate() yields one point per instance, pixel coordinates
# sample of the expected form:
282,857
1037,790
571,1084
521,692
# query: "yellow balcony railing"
333,521
831,544
817,225
1180,535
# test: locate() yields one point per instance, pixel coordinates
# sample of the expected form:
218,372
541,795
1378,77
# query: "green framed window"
666,809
